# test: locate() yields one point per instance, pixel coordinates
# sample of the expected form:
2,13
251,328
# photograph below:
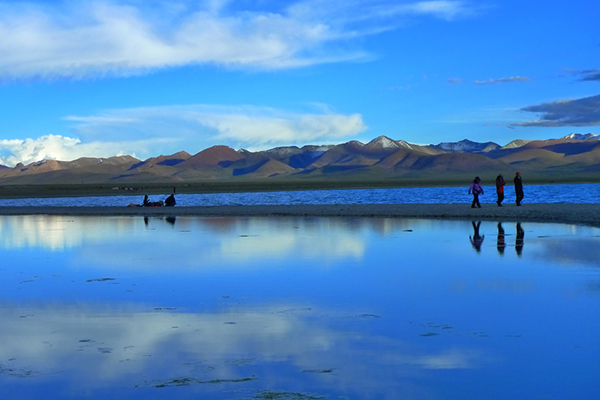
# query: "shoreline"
569,213
19,191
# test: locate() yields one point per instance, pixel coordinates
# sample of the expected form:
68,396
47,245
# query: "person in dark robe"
518,188
170,201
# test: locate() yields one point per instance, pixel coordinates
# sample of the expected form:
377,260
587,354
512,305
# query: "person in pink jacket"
476,189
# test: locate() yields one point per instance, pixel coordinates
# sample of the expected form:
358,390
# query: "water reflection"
520,239
252,308
476,239
131,347
501,241
553,193
170,219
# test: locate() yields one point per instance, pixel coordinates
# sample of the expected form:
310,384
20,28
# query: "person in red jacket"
500,189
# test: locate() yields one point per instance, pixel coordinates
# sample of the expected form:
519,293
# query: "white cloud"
256,128
63,148
442,9
248,127
454,81
345,13
30,150
153,131
79,39
502,80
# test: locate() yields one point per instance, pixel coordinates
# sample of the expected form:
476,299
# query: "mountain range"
573,157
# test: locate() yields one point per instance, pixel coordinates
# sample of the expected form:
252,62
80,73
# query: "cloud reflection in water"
97,346
357,307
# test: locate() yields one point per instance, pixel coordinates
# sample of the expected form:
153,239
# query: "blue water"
297,308
574,193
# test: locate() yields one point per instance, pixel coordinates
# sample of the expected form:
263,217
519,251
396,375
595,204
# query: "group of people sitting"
168,202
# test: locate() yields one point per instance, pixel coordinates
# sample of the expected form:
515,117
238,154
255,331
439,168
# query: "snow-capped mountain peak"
403,143
467,145
582,136
382,142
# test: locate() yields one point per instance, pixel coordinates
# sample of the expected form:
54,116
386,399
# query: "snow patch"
382,142
582,136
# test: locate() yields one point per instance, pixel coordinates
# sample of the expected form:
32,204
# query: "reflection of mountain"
572,157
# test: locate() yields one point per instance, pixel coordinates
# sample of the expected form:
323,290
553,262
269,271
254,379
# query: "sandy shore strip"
581,214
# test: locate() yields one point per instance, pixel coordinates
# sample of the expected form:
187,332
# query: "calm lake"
297,308
580,193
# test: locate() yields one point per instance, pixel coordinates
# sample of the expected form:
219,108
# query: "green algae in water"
319,371
277,395
192,381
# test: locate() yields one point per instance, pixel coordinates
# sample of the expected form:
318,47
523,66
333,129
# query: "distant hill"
576,156
468,146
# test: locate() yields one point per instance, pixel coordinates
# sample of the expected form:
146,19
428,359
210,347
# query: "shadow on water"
520,239
477,238
500,242
170,220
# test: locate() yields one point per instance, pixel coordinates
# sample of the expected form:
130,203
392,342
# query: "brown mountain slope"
348,154
562,146
51,169
169,160
156,168
540,155
212,157
459,162
587,158
402,158
380,159
573,148
269,168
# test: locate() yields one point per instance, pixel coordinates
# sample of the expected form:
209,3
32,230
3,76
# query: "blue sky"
150,77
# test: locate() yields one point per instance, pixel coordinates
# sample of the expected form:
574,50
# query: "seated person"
170,201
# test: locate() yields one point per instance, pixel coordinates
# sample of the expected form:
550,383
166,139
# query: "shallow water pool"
297,308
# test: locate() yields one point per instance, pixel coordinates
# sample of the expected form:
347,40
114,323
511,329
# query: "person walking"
518,188
476,189
500,189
